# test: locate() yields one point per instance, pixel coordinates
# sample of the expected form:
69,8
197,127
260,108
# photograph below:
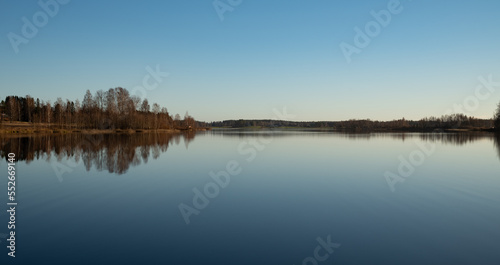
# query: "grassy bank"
31,128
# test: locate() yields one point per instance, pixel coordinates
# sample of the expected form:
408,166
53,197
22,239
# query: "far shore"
361,130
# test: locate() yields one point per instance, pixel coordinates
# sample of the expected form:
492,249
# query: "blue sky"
264,55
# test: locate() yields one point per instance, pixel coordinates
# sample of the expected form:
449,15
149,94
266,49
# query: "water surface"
114,199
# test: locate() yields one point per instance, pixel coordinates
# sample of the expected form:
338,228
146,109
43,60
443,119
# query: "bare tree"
12,108
122,100
497,118
165,120
145,113
58,111
156,114
87,109
47,113
177,120
99,106
78,113
30,106
111,108
189,121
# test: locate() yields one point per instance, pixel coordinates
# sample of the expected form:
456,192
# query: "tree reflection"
442,137
496,139
117,152
112,152
460,138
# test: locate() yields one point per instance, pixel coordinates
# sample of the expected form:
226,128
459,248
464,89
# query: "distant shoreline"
393,130
446,123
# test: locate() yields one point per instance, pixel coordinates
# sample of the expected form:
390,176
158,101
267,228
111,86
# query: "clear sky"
263,55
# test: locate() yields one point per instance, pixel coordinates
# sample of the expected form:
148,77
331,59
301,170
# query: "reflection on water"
497,143
446,138
301,186
112,152
116,152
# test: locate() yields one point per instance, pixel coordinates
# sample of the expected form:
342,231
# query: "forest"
111,109
445,122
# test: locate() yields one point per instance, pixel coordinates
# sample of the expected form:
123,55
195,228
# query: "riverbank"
30,128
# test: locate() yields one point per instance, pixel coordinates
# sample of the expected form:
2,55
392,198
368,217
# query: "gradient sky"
263,55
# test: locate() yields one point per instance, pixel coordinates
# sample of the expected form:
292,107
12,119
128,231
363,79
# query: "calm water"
291,198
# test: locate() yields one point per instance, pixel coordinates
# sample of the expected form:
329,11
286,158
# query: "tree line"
117,109
111,109
453,121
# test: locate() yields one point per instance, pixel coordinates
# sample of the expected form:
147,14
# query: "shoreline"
25,128
21,128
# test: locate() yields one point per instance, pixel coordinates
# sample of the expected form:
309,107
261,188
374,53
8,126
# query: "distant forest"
112,109
446,122
443,123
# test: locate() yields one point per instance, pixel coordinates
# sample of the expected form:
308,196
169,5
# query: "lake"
254,197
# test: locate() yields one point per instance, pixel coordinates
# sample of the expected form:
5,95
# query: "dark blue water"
281,198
